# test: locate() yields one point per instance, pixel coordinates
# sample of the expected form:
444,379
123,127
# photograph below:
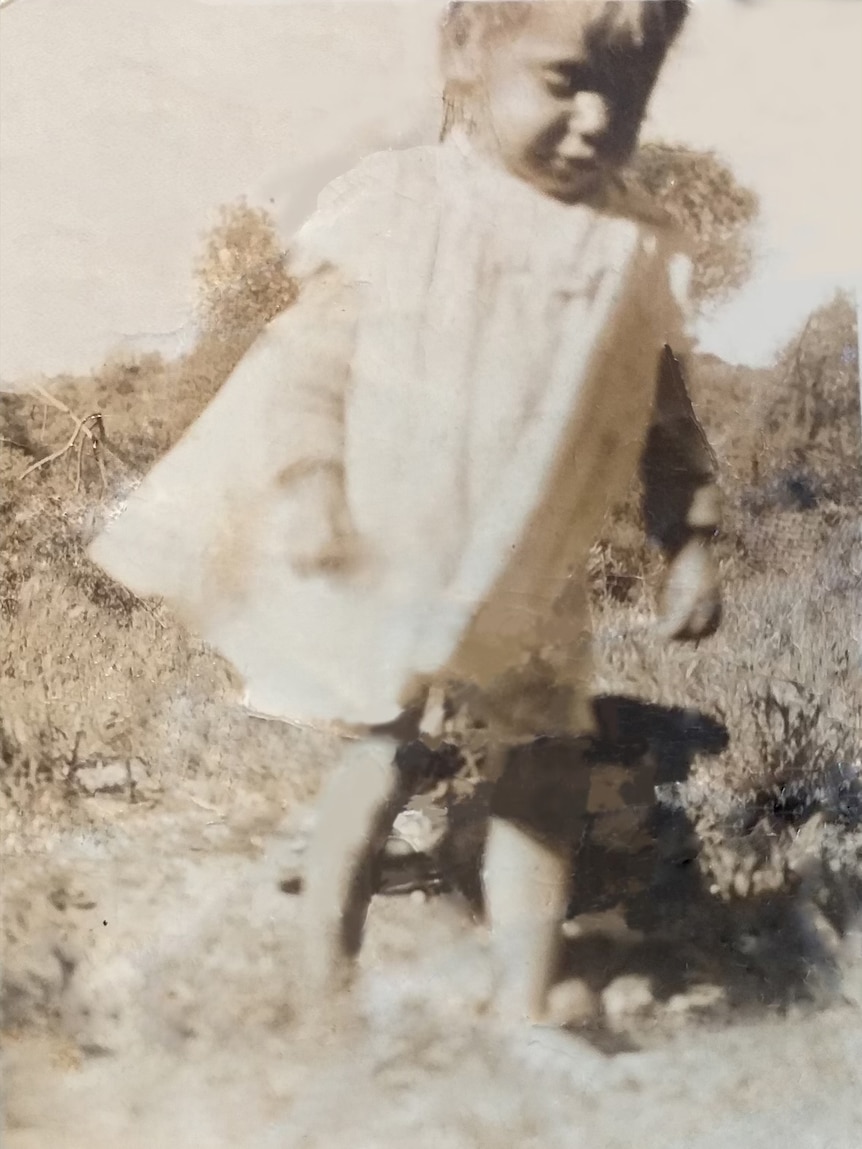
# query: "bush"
813,422
703,198
241,273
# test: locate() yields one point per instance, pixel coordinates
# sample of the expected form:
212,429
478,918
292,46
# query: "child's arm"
681,507
309,349
332,255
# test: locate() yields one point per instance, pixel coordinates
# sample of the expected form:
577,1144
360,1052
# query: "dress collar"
460,143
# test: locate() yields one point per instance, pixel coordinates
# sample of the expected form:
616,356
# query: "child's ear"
462,49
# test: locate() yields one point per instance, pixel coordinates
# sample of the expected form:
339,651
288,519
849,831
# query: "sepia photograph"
430,574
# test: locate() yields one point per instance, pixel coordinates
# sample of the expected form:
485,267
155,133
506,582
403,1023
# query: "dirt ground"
158,957
153,832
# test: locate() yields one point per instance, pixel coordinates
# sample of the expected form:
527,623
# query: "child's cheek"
520,117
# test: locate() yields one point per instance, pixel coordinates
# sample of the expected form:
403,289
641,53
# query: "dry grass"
90,674
784,673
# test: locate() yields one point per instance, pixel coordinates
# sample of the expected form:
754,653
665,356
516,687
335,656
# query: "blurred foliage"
814,420
241,273
713,210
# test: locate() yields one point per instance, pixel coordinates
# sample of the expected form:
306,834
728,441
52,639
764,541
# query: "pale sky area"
125,124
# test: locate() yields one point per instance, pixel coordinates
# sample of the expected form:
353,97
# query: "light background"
124,123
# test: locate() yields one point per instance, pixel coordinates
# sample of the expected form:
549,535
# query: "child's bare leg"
536,815
360,802
526,889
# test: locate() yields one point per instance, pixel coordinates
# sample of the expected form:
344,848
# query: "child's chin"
574,188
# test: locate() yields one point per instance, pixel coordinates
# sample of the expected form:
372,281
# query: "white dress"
482,361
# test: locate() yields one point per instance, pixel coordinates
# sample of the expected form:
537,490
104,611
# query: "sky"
776,87
124,125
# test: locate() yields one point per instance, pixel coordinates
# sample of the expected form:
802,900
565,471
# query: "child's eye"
566,78
561,82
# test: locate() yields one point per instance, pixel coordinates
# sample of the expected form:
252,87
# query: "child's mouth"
574,168
573,175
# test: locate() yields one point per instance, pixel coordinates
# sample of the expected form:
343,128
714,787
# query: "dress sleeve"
350,220
308,349
332,258
678,468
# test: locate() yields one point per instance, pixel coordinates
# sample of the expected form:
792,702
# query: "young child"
392,498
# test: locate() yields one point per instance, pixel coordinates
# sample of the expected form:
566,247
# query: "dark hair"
652,24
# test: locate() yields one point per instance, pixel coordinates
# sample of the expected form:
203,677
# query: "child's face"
562,111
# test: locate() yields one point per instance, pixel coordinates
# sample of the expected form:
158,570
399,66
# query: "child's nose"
589,120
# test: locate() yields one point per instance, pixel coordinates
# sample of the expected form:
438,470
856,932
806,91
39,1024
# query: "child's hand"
335,554
691,600
321,538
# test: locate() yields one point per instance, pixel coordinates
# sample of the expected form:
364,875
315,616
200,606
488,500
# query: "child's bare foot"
572,1004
